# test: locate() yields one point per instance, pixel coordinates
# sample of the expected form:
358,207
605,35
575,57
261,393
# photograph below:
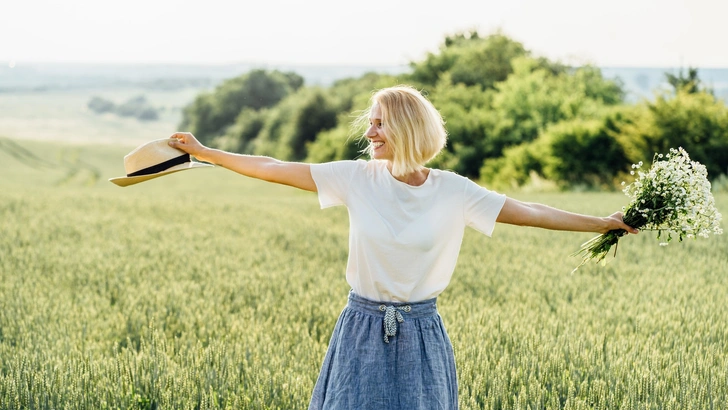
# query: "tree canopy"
512,117
211,113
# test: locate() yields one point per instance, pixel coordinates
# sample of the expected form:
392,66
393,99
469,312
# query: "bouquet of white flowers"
672,198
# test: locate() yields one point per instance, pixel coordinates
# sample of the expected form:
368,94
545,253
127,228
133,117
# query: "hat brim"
126,181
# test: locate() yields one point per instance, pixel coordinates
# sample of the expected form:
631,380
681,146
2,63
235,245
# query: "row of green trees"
137,107
513,118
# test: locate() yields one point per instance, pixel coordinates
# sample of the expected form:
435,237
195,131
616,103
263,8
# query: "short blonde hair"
414,128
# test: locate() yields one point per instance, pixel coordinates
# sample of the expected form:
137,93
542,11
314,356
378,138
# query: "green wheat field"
208,290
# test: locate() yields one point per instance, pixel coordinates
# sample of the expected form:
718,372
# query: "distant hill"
639,82
55,76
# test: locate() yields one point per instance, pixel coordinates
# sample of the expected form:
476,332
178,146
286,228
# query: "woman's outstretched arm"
294,174
515,212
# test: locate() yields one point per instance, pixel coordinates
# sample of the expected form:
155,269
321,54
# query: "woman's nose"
371,132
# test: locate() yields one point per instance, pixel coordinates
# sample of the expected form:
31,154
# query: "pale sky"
376,32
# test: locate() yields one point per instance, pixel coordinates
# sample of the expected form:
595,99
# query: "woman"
389,348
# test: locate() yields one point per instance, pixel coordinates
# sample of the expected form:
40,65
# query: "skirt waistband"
414,310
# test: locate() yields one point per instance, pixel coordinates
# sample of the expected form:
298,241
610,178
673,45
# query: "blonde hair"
414,128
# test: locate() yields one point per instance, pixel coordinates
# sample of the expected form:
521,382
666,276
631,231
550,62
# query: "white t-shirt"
404,240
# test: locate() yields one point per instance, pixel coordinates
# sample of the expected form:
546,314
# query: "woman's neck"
415,178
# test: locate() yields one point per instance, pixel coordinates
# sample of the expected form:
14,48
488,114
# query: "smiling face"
377,137
402,128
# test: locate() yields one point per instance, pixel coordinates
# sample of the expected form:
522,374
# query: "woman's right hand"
187,142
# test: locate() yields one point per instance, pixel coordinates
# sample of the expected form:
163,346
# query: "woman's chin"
379,155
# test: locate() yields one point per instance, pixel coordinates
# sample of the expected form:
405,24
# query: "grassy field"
204,289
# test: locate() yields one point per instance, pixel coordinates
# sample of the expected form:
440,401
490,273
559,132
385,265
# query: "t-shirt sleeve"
333,181
481,207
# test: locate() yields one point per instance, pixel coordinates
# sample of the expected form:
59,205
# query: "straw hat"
154,159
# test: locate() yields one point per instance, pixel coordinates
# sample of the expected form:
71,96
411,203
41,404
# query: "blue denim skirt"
390,356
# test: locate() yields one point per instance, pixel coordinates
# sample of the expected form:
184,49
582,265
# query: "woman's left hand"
615,221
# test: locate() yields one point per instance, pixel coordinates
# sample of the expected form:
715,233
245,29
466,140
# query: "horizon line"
16,64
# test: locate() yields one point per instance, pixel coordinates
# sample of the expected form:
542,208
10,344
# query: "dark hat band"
154,169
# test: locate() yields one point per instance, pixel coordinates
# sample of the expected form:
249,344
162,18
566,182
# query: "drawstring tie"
391,317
